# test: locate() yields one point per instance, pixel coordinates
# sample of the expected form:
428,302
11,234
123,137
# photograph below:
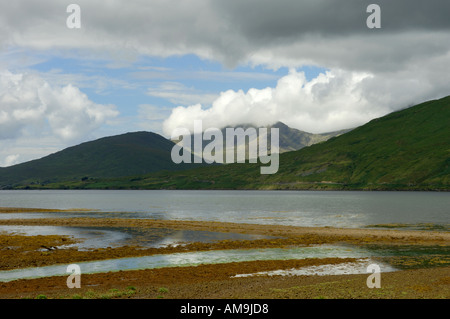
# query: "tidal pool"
102,237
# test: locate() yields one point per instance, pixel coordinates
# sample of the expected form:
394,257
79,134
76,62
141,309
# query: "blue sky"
160,82
127,84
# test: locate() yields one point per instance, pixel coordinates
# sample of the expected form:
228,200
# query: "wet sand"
214,281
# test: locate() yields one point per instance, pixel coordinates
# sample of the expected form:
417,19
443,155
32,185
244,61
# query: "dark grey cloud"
283,32
335,33
271,20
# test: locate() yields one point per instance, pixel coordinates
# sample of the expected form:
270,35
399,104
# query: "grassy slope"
121,155
408,149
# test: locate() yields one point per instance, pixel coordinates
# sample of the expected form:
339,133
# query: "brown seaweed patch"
416,226
40,210
416,262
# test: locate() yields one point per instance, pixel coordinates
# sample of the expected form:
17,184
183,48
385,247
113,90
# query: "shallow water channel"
203,257
102,237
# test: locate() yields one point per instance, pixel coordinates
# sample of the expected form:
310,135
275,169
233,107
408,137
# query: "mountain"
404,150
293,140
122,155
407,149
130,154
290,139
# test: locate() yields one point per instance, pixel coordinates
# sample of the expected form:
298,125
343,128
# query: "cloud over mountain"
334,100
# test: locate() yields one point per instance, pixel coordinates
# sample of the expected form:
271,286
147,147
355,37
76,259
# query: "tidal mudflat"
282,261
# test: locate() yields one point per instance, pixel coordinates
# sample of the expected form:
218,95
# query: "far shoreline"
231,189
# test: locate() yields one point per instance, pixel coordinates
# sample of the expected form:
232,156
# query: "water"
297,208
192,259
364,256
102,237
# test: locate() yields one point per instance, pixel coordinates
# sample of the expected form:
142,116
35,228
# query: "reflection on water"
102,237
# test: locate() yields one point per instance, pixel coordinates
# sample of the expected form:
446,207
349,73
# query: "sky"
156,65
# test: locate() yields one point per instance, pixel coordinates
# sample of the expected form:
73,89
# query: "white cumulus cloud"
334,100
331,101
30,105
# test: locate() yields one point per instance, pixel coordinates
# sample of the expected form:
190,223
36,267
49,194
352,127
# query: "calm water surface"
299,208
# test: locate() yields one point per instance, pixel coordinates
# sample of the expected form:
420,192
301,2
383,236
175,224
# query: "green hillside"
114,156
405,150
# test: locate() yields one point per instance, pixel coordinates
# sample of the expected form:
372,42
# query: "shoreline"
214,280
400,235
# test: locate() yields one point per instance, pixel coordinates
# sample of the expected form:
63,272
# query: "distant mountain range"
130,154
290,139
404,150
294,140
